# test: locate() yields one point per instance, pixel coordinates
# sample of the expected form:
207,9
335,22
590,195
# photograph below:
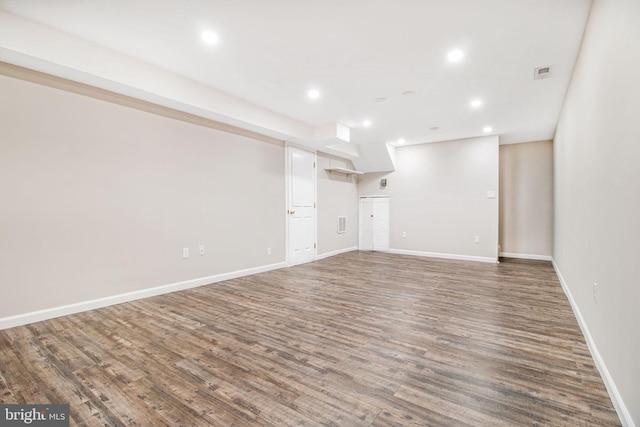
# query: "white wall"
526,199
438,196
337,196
99,199
597,195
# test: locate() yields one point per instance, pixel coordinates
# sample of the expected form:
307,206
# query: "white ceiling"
354,51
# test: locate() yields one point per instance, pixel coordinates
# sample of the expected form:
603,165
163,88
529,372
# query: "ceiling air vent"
541,73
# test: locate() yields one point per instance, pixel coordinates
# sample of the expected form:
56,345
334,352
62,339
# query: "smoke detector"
541,73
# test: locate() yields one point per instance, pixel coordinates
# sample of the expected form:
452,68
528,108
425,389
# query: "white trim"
445,256
334,253
616,399
526,256
50,313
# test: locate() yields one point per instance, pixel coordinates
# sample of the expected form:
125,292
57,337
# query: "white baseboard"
616,399
50,313
334,253
526,256
445,256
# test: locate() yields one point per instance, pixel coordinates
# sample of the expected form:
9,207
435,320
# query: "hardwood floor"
359,339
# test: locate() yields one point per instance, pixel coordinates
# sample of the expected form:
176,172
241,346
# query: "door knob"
292,212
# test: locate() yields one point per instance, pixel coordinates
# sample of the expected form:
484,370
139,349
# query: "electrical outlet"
477,239
201,250
269,251
595,293
185,252
404,234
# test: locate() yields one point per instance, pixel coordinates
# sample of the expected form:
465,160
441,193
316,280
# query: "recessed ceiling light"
408,93
487,129
381,99
366,123
313,94
455,55
476,103
209,37
401,141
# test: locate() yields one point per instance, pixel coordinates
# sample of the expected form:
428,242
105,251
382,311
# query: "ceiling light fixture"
476,103
487,129
455,55
401,141
313,94
366,123
209,37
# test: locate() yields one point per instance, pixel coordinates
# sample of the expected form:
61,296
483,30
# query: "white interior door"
381,224
374,224
366,224
301,210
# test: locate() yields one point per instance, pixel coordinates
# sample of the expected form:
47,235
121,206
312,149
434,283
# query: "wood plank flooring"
359,339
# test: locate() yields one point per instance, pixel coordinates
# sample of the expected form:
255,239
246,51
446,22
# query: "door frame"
288,184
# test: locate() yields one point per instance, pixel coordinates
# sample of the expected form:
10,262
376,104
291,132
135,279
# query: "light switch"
491,194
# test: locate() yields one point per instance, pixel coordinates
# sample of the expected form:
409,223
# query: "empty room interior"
355,213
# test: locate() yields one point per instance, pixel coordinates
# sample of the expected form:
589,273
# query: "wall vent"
342,224
541,73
